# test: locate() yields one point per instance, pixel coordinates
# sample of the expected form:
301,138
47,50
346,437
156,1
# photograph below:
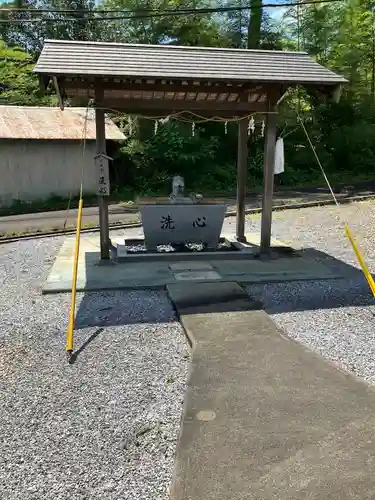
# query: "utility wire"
145,10
102,11
140,14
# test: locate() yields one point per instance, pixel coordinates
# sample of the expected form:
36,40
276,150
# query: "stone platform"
147,272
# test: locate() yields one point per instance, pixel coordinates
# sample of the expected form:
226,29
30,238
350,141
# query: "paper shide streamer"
251,126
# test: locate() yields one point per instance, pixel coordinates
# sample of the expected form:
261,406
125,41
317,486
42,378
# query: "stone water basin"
176,223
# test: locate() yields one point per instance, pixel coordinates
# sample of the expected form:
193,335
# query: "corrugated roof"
170,62
27,122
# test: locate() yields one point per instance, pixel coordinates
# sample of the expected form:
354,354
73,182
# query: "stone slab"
190,266
158,274
254,239
92,276
285,268
253,242
197,276
264,418
210,297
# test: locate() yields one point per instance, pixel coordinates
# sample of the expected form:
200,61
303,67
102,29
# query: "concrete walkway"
264,418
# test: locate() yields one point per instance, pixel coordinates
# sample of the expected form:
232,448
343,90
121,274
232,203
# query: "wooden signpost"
102,174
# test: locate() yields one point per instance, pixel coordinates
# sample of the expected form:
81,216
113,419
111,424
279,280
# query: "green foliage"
340,35
18,85
173,150
61,26
182,30
348,135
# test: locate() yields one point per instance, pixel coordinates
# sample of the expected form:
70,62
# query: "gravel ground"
106,426
334,317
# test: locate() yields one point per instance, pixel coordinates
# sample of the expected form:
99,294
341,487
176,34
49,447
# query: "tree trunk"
253,33
373,63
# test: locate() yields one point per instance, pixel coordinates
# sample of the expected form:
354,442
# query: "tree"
352,50
241,29
340,35
255,23
181,29
29,33
18,85
79,27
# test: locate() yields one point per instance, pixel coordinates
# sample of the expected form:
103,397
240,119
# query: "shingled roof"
27,122
102,59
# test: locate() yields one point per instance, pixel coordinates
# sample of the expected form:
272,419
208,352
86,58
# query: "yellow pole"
70,335
362,263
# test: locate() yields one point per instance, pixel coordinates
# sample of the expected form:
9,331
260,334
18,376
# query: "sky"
277,13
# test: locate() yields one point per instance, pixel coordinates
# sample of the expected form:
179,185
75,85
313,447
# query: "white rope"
251,126
317,159
83,145
348,232
83,142
263,128
195,118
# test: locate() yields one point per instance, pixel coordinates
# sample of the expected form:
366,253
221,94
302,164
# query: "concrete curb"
249,211
308,204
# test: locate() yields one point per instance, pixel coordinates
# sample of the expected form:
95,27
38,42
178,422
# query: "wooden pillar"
242,153
268,180
103,200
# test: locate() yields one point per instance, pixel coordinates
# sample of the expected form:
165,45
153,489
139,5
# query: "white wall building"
41,153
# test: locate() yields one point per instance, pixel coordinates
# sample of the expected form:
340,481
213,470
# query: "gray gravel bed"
104,427
335,317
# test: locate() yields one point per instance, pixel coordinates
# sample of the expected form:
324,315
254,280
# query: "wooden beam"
336,93
71,83
44,82
57,90
163,87
138,106
103,200
320,90
242,152
282,97
268,181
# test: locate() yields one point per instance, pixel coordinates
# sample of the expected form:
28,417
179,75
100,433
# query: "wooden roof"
164,78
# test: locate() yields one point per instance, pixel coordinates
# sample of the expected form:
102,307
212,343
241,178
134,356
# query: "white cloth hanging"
279,156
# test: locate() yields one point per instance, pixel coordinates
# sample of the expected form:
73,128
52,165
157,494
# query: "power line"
148,13
151,10
72,11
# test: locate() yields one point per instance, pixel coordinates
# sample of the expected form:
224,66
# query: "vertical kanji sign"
102,174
